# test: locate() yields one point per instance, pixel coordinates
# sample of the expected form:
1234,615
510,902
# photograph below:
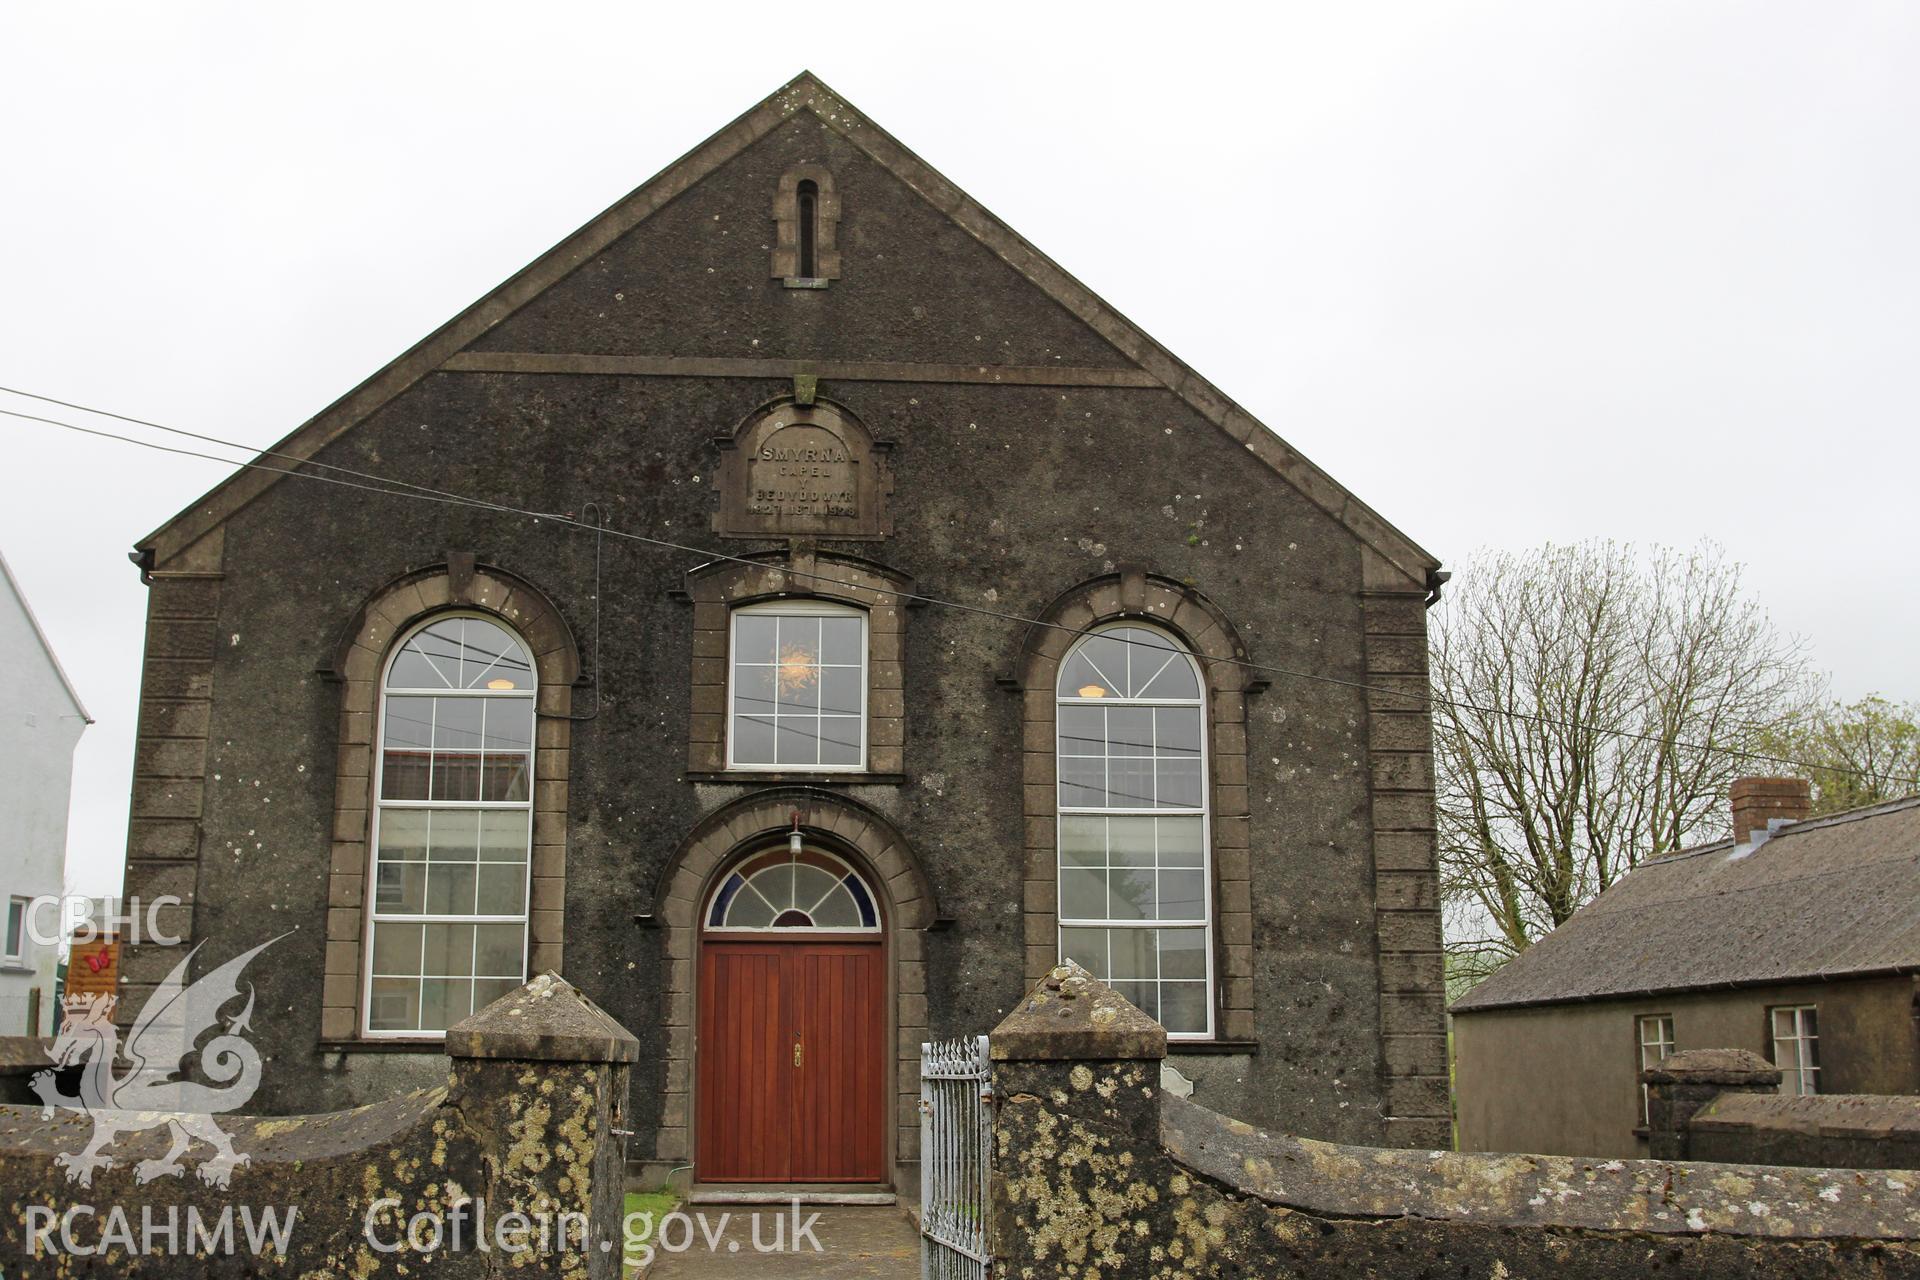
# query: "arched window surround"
452,826
359,663
1132,828
792,258
1204,629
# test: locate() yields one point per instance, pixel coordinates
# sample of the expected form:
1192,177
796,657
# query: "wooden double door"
791,1053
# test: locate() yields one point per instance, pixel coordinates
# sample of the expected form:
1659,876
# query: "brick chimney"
1757,801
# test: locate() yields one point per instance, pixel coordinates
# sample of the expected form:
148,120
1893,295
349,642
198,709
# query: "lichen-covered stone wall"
1846,1131
1101,1176
513,1167
1725,1105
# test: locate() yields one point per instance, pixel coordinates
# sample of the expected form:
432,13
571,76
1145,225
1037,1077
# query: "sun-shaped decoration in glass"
780,890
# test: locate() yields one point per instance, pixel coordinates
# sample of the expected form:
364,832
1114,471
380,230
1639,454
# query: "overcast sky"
1512,272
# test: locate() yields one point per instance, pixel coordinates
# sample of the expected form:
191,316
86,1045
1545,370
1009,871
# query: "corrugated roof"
1831,897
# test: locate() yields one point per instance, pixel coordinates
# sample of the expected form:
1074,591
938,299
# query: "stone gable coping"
1410,563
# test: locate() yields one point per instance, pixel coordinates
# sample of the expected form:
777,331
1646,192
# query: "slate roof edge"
1461,1006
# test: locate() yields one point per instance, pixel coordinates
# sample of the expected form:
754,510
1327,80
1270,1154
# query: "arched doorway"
792,1030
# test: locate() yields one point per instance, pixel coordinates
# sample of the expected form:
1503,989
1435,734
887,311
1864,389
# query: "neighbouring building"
41,720
943,625
1796,939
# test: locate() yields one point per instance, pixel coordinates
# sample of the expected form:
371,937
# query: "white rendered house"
41,720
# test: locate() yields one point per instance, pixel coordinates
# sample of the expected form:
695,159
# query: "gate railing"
956,1145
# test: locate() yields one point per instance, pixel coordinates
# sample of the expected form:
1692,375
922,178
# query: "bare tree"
1861,753
1590,705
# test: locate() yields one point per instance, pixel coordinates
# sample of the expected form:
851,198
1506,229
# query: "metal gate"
956,1143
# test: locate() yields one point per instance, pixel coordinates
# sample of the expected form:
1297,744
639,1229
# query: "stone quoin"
942,626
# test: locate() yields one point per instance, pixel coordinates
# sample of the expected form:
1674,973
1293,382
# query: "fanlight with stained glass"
781,890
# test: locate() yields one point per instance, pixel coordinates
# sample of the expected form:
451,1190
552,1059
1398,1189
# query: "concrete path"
856,1242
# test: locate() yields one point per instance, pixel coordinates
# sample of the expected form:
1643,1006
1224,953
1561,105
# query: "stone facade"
1004,449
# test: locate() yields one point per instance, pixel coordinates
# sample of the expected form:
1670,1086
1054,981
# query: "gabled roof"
1829,898
804,93
46,646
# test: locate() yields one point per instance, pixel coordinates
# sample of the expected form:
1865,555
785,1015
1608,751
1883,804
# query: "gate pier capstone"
1076,1081
540,1079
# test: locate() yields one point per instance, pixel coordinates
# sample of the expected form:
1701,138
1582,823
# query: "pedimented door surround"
873,847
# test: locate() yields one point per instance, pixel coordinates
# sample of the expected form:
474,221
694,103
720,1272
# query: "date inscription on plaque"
803,470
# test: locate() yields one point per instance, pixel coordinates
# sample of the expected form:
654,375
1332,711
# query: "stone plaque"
804,470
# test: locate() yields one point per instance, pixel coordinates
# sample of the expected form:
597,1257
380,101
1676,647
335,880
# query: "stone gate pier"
1101,1176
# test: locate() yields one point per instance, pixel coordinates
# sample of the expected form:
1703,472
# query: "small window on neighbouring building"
16,929
798,687
1656,1044
1796,1047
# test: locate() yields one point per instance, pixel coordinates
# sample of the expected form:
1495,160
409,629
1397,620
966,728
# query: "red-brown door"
791,1050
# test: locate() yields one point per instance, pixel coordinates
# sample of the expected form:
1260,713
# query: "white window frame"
1801,1043
16,926
706,907
373,915
1662,1044
1204,812
801,607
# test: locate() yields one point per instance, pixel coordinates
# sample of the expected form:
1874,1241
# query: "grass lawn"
656,1204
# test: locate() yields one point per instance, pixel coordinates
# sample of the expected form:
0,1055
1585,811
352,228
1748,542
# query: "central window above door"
797,688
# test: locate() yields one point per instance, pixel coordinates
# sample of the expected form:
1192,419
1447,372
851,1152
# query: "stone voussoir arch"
762,816
358,662
753,823
1133,594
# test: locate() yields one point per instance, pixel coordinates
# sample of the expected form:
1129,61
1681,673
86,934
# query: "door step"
787,1193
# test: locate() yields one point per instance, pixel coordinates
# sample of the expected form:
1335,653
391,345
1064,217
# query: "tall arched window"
452,827
1135,904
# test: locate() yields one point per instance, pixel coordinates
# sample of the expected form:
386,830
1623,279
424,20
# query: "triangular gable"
805,93
46,646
